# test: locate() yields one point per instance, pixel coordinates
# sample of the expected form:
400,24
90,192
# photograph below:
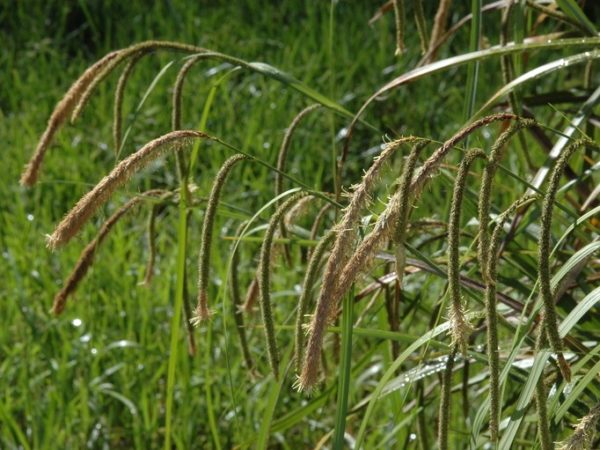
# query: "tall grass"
459,232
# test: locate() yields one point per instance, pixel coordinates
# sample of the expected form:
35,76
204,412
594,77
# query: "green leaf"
572,9
576,392
481,55
539,362
387,376
538,72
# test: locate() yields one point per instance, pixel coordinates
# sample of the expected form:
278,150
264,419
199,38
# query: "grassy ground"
96,375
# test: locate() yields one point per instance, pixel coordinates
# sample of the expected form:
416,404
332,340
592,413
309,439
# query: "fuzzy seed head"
90,202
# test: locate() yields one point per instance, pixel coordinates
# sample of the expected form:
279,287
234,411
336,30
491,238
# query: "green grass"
111,373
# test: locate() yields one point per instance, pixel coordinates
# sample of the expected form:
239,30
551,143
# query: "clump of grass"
346,259
91,201
202,312
338,256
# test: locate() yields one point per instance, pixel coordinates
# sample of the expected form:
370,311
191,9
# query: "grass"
113,371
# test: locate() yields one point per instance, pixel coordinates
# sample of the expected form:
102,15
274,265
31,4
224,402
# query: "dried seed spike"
142,47
264,280
585,431
95,198
285,145
546,293
282,158
385,228
87,255
251,296
234,286
178,88
439,26
400,19
76,97
434,161
59,116
151,237
202,312
421,25
318,220
119,96
460,328
496,153
339,255
403,211
310,278
445,399
491,316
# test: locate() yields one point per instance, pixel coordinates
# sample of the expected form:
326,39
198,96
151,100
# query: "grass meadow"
402,363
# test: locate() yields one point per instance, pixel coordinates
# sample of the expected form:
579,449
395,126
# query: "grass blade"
538,72
473,67
344,373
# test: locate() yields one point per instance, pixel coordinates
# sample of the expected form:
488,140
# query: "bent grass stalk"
202,312
86,258
264,280
496,153
118,102
399,17
491,315
251,296
460,329
310,278
234,286
421,25
439,26
445,399
551,319
123,54
90,202
403,212
282,158
58,117
151,237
